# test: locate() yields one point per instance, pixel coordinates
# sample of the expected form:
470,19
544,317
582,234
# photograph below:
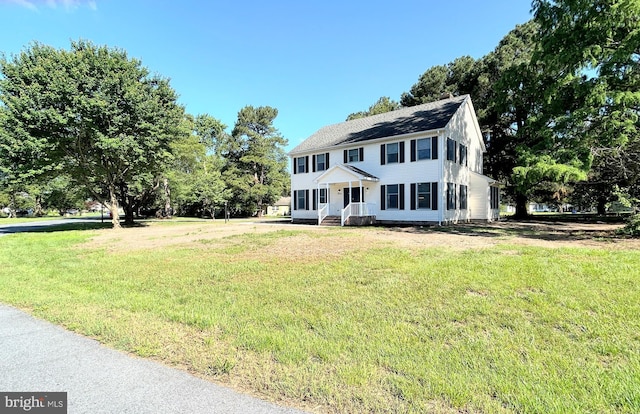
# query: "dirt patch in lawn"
335,240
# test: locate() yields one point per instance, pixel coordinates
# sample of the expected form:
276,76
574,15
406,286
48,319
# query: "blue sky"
317,61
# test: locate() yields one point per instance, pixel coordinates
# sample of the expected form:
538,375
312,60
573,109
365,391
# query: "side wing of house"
473,194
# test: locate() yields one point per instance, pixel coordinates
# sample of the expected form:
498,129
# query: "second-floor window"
463,154
353,155
301,165
451,150
320,162
392,153
424,149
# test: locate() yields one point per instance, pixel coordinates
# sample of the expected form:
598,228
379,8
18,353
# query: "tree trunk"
521,207
12,206
602,206
128,213
113,205
38,207
260,208
167,198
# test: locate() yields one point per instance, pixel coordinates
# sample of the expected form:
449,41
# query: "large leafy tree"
24,161
597,42
455,78
195,179
524,148
507,87
256,168
96,110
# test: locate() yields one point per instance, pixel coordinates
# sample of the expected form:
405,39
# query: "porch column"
361,206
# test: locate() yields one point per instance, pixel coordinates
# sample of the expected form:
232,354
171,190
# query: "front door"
353,196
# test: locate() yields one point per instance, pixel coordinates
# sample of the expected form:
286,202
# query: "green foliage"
455,78
62,194
382,105
96,111
595,45
194,176
256,168
538,170
632,227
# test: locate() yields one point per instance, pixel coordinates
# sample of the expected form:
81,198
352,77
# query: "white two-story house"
416,165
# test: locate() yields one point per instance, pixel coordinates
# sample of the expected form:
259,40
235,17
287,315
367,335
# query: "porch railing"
323,211
357,210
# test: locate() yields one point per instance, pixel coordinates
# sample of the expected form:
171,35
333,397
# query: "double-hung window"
495,198
300,199
451,150
463,197
392,153
319,197
424,196
301,165
321,162
322,198
451,196
463,155
424,149
353,155
392,196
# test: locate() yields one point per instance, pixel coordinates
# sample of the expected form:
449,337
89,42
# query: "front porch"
342,197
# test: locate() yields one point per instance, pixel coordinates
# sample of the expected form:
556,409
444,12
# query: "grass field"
349,320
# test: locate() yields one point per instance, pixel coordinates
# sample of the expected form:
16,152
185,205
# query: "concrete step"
331,221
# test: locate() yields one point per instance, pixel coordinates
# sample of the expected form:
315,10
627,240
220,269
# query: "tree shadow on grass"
530,229
53,228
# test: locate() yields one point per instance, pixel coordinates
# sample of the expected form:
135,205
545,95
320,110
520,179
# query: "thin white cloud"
23,3
68,5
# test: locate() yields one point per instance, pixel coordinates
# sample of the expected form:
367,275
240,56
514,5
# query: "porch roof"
344,173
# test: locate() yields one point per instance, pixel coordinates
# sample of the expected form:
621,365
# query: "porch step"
331,221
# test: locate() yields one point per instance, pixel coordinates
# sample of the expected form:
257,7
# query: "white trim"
358,177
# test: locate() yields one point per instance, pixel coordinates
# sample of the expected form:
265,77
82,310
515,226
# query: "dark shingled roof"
362,172
425,117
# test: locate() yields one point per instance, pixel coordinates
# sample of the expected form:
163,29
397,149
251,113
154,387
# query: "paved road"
39,356
42,225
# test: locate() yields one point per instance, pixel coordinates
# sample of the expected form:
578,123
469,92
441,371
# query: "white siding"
463,128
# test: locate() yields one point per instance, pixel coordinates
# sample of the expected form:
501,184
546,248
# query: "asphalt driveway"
42,225
37,356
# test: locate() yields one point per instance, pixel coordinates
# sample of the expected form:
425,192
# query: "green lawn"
375,329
